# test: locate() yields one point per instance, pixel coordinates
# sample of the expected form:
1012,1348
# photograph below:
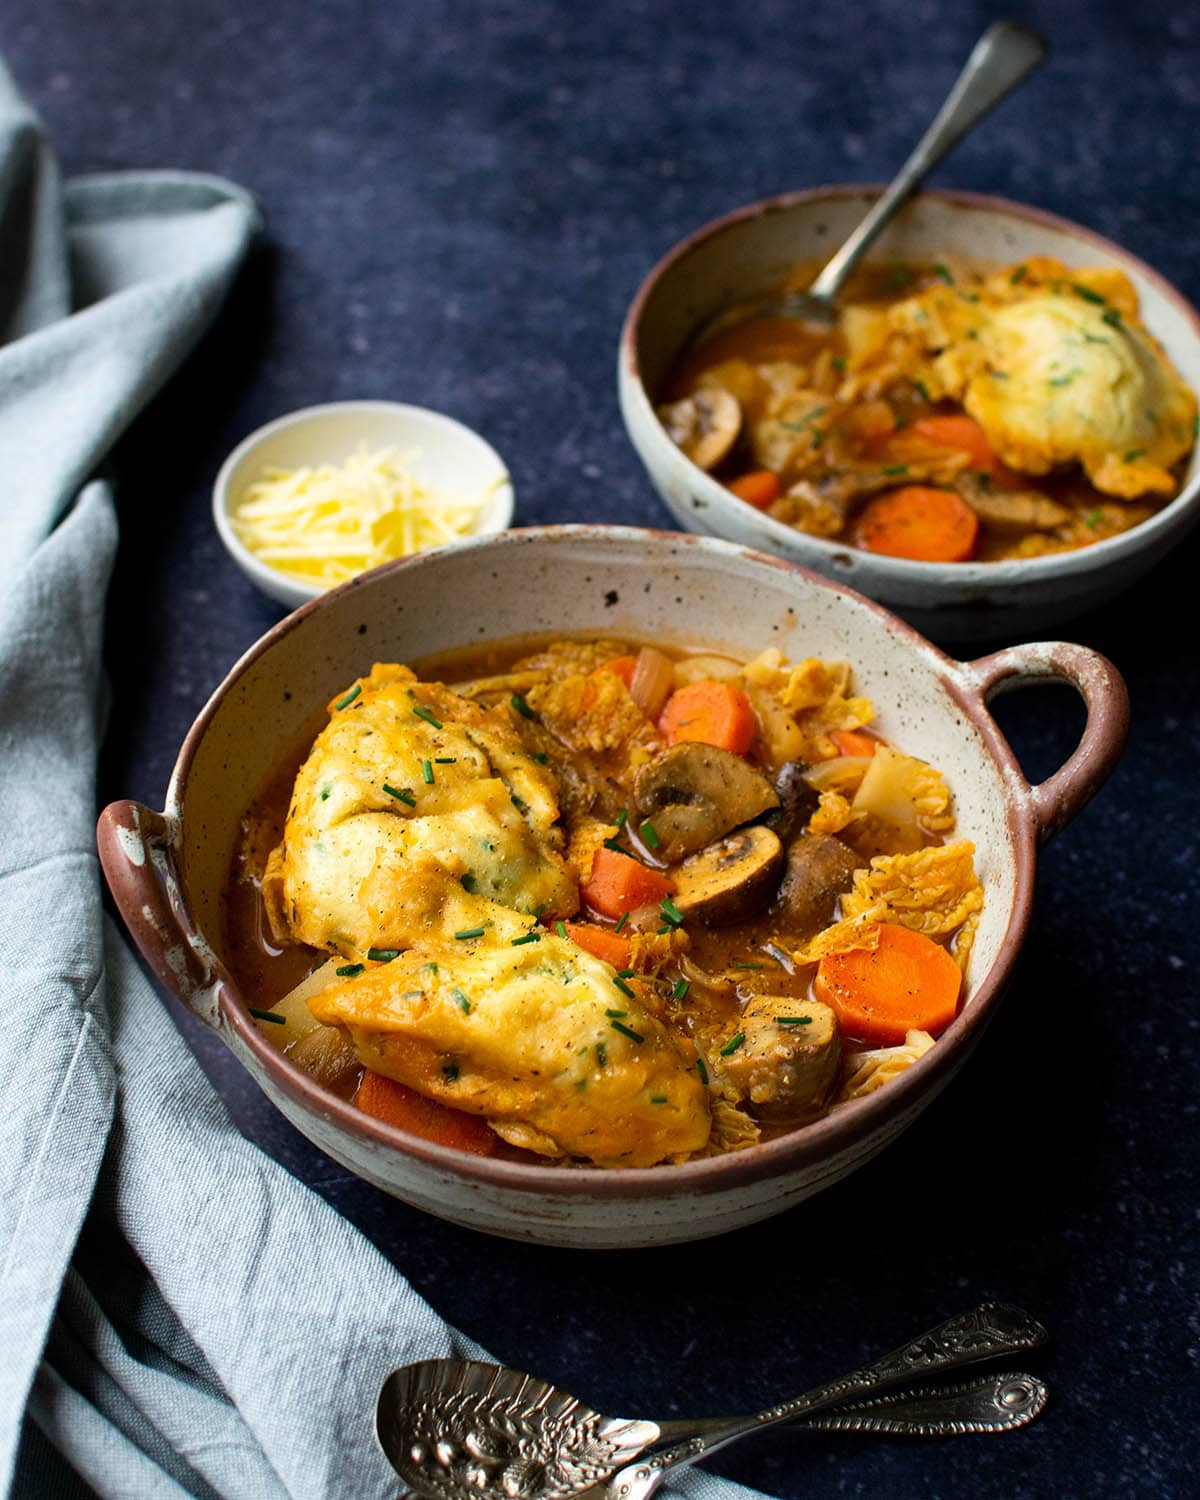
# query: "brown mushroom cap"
705,425
732,879
820,868
696,793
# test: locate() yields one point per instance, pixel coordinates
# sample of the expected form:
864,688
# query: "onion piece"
653,681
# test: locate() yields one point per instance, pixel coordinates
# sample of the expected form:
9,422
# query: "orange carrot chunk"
961,432
712,713
622,667
619,884
758,488
908,983
853,742
399,1105
917,522
601,942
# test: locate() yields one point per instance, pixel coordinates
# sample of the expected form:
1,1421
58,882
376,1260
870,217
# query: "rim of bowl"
1079,560
270,579
813,1142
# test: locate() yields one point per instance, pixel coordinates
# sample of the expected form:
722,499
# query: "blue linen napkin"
150,1347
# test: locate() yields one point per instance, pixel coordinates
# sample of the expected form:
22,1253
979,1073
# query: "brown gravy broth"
725,966
819,358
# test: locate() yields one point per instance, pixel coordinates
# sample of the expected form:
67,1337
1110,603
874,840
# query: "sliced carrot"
918,522
908,983
712,713
601,942
758,488
854,742
619,884
620,666
399,1105
961,432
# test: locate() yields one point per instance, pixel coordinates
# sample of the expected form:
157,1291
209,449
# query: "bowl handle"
135,854
1057,799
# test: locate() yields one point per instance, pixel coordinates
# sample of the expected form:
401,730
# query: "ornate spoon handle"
992,1329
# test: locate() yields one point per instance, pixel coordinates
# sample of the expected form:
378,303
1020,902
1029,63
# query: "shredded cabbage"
868,1071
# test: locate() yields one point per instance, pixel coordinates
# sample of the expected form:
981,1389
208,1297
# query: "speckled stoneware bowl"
167,870
749,250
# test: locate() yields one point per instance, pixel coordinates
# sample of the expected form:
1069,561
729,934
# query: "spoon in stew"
464,1430
1003,56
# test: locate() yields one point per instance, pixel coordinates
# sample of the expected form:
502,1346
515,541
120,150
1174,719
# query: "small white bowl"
748,251
447,456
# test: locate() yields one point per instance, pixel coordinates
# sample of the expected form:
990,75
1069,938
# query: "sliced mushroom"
696,793
705,424
820,868
1010,510
788,1061
798,800
730,880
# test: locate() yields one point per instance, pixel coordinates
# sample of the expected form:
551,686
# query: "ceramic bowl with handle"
749,251
167,870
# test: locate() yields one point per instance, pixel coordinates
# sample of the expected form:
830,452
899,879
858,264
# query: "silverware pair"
465,1430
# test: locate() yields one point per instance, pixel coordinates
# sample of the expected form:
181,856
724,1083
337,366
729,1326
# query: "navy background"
460,201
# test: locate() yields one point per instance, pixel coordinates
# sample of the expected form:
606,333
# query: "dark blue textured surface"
460,201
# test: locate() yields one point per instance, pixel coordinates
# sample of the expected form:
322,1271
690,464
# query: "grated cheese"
324,525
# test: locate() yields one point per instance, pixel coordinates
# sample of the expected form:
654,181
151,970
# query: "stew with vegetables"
601,903
950,414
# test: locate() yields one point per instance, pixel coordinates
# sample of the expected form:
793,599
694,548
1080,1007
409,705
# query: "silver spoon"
462,1430
1004,55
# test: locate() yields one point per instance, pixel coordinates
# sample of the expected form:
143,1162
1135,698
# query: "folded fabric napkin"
150,1349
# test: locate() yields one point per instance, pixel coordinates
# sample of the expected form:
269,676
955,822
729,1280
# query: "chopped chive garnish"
634,1036
615,845
541,757
463,1003
469,883
658,1098
382,955
900,276
666,927
450,1071
601,1055
413,995
325,791
794,1020
561,929
521,706
615,1015
1093,518
733,1044
1064,379
406,797
943,272
1112,317
1086,293
1133,454
622,818
626,973
749,966
670,911
649,835
623,919
816,440
423,713
444,760
467,933
702,1070
539,909
838,362
624,988
529,937
680,988
267,1015
433,968
922,390
894,469
348,971
350,697
1018,275
521,807
427,772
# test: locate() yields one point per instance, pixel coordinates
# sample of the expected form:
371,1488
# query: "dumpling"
535,1037
415,813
